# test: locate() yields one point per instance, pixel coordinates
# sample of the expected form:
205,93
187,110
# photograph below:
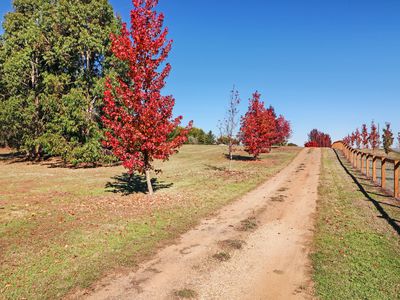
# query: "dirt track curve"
255,248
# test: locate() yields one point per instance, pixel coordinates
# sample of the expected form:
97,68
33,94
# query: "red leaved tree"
283,130
257,127
347,140
138,119
311,144
365,136
352,139
317,138
374,137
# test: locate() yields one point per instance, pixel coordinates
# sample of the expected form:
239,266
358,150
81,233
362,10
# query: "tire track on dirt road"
255,248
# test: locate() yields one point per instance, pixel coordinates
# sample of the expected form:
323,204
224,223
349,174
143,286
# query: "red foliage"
318,138
347,140
311,144
283,130
365,136
258,127
138,119
352,139
374,136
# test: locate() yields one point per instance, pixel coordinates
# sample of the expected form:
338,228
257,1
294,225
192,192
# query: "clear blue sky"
330,65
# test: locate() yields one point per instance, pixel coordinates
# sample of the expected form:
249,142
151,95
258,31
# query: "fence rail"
382,170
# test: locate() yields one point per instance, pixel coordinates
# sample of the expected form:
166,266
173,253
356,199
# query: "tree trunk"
148,179
230,155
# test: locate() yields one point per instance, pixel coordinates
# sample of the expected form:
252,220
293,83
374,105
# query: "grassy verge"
357,246
62,229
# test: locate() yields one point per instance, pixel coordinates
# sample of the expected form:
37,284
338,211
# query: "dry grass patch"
222,256
232,244
185,294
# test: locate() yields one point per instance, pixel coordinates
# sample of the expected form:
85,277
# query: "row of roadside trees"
318,138
371,139
77,82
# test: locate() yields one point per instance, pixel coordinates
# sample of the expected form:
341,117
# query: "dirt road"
255,248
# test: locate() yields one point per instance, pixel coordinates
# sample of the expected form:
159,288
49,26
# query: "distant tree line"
317,138
76,82
372,139
198,136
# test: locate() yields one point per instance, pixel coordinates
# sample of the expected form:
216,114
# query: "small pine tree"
387,138
210,138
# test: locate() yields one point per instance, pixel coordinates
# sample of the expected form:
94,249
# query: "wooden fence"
375,167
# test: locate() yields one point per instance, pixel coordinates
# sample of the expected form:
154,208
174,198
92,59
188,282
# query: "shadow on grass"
384,215
127,184
12,156
240,157
215,168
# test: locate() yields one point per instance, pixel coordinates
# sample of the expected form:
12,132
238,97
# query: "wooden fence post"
352,157
396,178
355,159
383,172
362,163
374,168
367,166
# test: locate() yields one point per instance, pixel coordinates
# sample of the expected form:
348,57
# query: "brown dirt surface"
255,248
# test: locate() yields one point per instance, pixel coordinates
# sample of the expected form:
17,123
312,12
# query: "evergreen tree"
54,55
210,138
387,138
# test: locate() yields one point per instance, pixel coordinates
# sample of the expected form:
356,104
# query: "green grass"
186,294
62,229
357,252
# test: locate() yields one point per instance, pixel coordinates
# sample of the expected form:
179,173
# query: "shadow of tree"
127,184
240,157
215,168
384,215
12,156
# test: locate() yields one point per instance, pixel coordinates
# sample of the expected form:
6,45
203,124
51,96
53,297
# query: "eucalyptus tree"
54,57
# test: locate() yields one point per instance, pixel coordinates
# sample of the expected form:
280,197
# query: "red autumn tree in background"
374,137
352,139
387,138
258,127
364,136
311,144
347,140
357,136
317,138
283,130
138,119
